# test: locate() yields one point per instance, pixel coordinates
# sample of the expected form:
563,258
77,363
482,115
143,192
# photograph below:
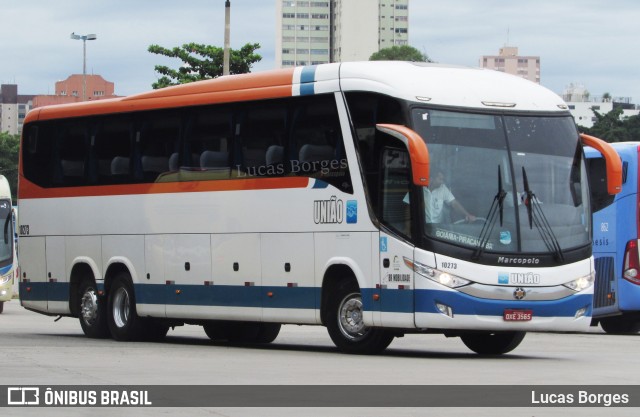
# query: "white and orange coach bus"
303,196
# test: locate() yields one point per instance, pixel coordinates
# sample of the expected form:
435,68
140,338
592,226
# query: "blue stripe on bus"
307,80
228,296
43,291
4,270
391,300
308,74
320,184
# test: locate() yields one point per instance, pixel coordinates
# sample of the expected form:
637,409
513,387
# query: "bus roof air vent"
498,104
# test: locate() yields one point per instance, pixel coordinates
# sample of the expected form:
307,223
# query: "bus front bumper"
456,310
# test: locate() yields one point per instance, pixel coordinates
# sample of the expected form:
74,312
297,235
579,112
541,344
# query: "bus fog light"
3,292
445,309
581,312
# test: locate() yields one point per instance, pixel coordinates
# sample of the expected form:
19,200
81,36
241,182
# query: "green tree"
9,151
400,53
202,62
611,127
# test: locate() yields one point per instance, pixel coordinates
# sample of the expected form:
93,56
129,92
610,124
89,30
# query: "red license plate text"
517,315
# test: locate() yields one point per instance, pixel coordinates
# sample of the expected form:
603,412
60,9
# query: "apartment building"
318,32
509,61
13,108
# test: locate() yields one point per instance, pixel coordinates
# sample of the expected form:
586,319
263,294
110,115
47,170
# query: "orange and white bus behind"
302,196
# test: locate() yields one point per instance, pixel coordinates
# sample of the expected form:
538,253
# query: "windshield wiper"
537,218
487,228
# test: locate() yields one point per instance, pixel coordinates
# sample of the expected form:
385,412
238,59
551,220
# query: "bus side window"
317,147
262,128
156,150
395,196
208,144
72,144
112,149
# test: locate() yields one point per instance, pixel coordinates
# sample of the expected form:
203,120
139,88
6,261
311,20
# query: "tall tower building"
318,32
510,62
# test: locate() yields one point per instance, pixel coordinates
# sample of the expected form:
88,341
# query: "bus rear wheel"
92,311
492,343
124,323
345,323
620,325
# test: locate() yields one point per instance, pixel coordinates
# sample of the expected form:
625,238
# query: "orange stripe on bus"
244,87
29,190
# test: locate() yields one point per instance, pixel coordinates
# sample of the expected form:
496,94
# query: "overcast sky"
592,42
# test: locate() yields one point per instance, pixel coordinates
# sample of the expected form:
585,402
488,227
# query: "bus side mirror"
418,152
612,162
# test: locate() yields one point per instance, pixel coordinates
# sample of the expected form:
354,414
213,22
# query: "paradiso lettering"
328,211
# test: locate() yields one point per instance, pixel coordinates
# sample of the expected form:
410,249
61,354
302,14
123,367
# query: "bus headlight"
581,283
444,278
5,278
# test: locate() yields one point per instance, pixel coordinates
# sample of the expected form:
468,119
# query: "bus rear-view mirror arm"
612,160
418,152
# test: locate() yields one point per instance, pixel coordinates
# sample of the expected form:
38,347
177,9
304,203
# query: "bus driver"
436,195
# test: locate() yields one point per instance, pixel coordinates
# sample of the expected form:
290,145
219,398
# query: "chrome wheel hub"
121,307
350,319
89,306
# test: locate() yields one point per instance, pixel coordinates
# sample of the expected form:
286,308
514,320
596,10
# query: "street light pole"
227,30
84,38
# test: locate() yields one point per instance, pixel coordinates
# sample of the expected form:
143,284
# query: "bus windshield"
6,243
499,182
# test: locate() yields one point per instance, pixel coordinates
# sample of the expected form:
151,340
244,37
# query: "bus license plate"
518,315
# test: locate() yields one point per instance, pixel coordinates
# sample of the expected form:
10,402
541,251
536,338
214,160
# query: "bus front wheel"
92,311
345,323
488,343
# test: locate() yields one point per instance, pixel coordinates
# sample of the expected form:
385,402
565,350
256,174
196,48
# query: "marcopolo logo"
333,211
520,261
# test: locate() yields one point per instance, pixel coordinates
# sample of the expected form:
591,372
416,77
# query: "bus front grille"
604,277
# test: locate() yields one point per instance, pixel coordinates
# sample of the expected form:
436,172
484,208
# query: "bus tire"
154,330
268,332
217,330
124,323
492,343
92,311
620,325
1,306
345,323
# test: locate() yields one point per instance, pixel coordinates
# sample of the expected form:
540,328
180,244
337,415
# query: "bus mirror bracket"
418,152
612,160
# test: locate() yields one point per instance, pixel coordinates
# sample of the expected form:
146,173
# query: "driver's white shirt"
434,201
